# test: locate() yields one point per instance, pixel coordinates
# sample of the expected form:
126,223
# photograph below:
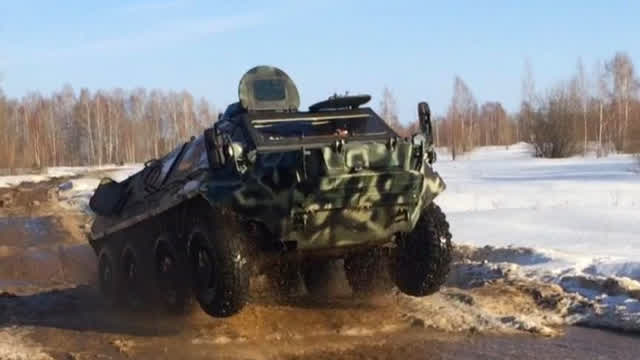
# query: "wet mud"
50,309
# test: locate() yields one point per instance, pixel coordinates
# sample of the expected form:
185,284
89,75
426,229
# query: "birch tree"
583,96
388,109
528,93
602,90
625,85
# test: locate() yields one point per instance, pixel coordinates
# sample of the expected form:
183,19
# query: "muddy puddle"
577,343
23,231
39,253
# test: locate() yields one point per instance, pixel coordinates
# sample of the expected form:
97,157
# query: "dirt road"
291,333
50,309
577,343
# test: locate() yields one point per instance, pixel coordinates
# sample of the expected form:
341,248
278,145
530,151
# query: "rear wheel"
172,276
110,277
285,278
316,275
368,272
137,274
423,256
219,263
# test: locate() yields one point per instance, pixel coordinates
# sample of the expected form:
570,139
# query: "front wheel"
423,256
219,263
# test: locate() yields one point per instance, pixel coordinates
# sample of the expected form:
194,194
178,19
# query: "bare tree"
106,127
388,109
625,85
552,124
7,137
583,96
85,103
133,126
602,90
494,127
528,93
462,116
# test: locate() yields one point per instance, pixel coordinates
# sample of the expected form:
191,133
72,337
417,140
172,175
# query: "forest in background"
596,111
106,127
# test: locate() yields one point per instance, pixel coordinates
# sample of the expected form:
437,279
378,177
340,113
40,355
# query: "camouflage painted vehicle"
272,189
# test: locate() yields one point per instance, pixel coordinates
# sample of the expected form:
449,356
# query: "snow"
580,215
63,171
12,180
581,210
571,224
75,194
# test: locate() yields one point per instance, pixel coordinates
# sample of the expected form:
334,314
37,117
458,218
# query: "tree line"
590,111
105,127
465,126
597,112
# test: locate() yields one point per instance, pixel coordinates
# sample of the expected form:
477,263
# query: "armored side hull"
334,205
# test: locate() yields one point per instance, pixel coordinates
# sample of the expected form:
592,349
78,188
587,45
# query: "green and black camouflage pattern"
323,192
341,207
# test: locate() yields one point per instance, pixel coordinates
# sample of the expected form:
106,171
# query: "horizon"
205,48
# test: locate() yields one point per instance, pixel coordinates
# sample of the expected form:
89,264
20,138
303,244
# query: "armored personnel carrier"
277,190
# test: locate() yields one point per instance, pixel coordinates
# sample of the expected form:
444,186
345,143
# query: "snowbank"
64,171
580,212
571,222
590,299
75,194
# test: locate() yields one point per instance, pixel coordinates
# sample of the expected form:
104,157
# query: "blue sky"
414,47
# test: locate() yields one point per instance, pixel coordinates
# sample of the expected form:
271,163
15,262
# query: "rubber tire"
137,291
285,279
225,289
109,255
173,276
424,255
367,272
317,275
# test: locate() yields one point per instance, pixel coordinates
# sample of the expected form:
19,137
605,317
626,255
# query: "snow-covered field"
119,172
583,208
581,217
79,190
540,226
